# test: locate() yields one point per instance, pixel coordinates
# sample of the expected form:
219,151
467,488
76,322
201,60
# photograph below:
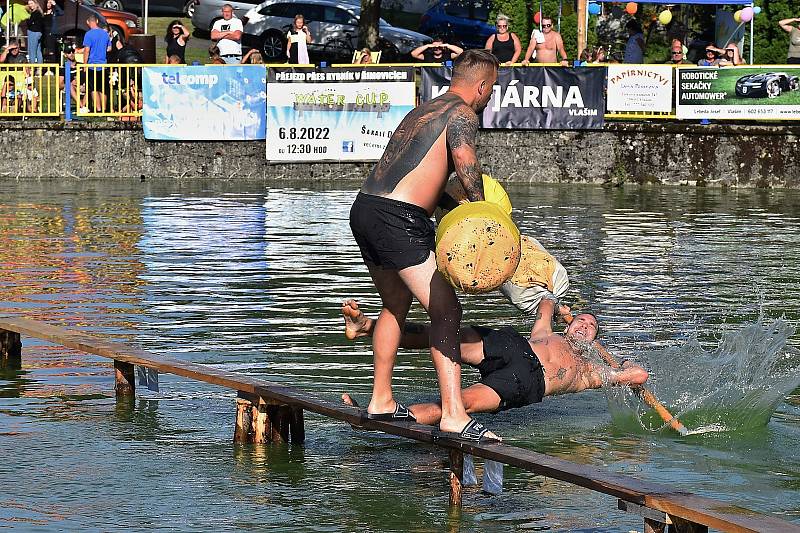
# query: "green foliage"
771,42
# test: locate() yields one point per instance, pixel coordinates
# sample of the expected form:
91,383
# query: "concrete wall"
673,153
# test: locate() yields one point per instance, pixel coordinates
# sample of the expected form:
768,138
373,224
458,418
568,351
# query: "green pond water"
700,286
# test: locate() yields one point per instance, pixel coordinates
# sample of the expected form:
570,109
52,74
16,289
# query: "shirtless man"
515,371
390,220
546,52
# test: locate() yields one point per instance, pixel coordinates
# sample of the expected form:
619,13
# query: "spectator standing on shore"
176,38
297,39
95,47
548,45
794,39
11,53
728,56
676,56
227,31
364,57
69,62
437,51
710,60
49,44
35,31
634,48
504,44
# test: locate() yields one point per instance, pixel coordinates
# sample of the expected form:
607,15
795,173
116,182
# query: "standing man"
794,39
391,223
548,45
95,50
634,48
434,52
227,31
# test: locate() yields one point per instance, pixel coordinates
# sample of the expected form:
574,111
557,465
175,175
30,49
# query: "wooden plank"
679,504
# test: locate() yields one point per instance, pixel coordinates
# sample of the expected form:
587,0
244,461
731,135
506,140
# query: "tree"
368,32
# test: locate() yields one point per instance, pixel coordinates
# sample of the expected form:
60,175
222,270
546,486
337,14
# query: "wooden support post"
679,525
297,426
242,429
654,526
456,477
582,25
124,379
284,422
260,424
276,434
10,350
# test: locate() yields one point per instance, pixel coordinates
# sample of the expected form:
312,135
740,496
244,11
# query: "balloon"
747,14
738,16
756,10
631,8
537,17
594,9
665,17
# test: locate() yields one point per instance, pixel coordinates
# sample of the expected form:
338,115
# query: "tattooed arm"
462,127
543,323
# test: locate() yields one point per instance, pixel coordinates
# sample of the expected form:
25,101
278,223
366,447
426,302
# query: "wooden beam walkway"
270,412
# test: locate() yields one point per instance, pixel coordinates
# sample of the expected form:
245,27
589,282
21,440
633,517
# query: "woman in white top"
298,39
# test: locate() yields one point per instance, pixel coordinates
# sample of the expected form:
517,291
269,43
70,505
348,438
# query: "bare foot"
356,323
348,400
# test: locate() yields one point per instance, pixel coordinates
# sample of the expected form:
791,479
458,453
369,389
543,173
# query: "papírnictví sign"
535,97
335,114
738,92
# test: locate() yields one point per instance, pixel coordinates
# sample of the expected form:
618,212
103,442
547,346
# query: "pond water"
701,286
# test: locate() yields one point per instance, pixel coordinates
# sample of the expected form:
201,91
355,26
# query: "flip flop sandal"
400,414
473,432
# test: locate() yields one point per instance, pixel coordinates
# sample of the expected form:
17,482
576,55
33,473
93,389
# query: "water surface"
250,278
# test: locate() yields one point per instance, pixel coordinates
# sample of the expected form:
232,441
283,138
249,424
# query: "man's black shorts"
391,234
510,367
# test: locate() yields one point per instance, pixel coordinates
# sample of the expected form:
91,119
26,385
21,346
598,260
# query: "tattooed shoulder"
462,127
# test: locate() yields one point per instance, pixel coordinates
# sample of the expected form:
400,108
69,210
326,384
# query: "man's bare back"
415,166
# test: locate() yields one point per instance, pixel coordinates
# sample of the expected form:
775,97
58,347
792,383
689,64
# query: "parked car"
154,7
462,22
72,23
766,84
333,24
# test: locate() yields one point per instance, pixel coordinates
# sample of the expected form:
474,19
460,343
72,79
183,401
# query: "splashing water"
733,387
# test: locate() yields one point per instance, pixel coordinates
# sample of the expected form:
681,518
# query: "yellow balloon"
738,16
665,17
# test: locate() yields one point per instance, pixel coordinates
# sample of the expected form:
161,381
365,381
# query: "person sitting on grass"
515,371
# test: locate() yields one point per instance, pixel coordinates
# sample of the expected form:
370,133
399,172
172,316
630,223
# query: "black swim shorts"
391,234
510,367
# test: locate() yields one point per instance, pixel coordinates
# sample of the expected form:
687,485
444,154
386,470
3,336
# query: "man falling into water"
515,371
390,220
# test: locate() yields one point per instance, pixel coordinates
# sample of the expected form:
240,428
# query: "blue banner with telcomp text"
204,103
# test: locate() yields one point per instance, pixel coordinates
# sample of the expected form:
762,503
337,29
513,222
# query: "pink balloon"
537,17
747,14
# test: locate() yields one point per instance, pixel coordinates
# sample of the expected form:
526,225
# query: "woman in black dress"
504,44
176,38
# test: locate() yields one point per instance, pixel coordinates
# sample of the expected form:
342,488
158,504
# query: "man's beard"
579,344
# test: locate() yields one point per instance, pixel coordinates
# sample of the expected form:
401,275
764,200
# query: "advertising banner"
535,97
739,92
643,88
335,114
204,103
